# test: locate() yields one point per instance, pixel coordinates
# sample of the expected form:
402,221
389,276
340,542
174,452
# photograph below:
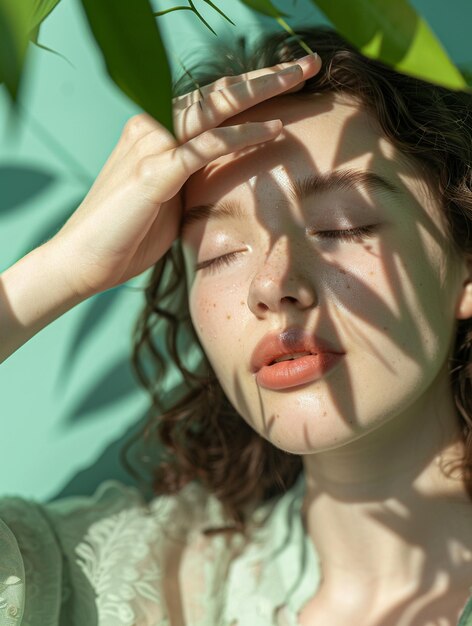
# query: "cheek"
219,316
205,309
215,308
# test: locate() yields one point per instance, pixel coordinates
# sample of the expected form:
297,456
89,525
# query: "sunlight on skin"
373,429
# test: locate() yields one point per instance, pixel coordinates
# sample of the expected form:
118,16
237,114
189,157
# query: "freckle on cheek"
242,302
228,317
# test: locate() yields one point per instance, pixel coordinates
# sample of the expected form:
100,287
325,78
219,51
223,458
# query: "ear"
464,303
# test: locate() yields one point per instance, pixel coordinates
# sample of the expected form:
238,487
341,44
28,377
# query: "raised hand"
131,215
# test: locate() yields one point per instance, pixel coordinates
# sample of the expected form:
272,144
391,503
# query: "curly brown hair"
199,436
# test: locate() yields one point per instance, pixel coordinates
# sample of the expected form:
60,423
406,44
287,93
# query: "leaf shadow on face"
348,308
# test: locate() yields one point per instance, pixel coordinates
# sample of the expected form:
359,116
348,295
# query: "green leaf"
34,34
135,57
394,33
295,36
159,13
213,6
192,6
20,21
466,71
40,45
265,7
40,10
14,30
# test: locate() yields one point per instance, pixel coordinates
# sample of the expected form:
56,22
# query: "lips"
289,341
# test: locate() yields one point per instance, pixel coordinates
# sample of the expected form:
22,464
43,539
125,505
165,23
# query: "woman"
332,490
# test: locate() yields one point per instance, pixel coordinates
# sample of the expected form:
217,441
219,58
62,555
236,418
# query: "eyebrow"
298,190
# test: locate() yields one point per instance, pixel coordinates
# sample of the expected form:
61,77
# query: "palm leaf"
396,34
265,7
137,64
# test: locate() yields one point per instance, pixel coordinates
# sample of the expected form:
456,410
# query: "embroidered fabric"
113,559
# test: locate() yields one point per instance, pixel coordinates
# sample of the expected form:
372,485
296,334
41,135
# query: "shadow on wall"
107,466
22,187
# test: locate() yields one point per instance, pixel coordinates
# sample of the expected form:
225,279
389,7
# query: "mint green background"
68,396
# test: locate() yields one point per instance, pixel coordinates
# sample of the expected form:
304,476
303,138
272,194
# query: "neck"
383,515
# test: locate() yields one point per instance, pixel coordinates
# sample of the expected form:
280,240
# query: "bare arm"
33,293
132,213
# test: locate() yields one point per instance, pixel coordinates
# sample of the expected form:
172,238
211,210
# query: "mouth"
294,371
291,344
290,357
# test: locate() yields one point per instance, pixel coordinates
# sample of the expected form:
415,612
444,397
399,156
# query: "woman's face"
387,301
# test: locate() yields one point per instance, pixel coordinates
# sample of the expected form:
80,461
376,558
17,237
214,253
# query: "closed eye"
362,232
213,264
353,234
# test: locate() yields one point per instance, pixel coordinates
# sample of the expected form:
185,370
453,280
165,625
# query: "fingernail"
307,58
273,124
289,70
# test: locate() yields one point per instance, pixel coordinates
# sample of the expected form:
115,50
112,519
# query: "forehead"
322,133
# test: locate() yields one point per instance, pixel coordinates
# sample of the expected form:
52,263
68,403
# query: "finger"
296,88
174,167
225,103
182,102
217,142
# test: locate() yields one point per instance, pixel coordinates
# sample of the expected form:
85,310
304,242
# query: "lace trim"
124,555
116,550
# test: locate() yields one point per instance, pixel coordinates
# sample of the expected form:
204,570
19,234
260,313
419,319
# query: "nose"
283,278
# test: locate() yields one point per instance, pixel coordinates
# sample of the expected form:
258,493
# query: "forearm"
33,293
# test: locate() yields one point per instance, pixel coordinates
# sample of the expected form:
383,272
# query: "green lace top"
108,560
